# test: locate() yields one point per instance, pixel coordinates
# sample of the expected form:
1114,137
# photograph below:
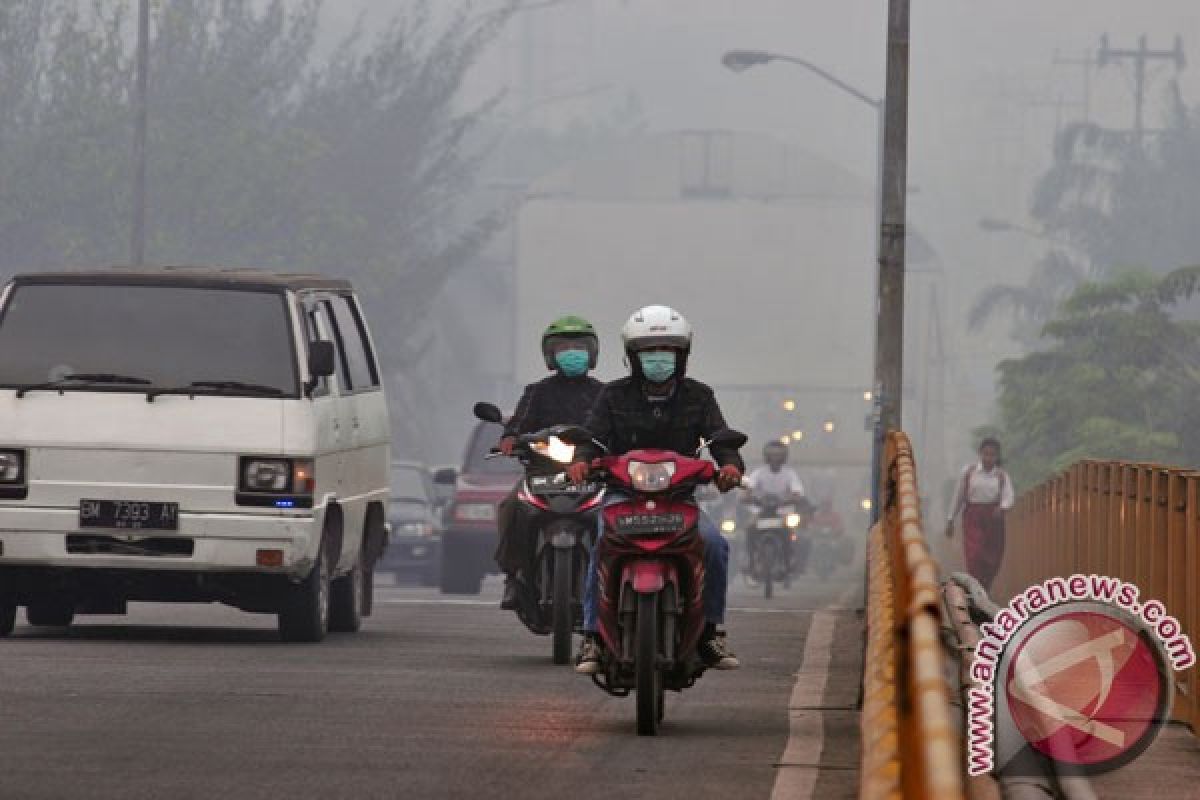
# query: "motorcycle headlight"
728,526
651,477
793,520
12,466
555,449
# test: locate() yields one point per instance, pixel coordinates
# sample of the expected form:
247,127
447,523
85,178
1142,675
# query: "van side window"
363,374
361,325
344,371
313,334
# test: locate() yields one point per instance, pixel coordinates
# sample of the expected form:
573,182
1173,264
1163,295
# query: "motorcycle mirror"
488,413
729,438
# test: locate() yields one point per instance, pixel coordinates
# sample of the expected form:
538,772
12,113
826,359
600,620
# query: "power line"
1140,57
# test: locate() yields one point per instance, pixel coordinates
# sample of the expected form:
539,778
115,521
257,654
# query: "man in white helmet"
658,407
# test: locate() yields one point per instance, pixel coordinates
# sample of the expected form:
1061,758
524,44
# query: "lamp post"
741,60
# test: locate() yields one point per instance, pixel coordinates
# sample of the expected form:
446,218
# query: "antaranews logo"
1079,670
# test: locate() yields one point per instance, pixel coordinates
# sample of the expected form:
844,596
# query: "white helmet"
656,326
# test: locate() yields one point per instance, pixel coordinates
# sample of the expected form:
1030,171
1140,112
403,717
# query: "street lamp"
741,60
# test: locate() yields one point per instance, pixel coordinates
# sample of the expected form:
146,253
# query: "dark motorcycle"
562,513
776,546
651,574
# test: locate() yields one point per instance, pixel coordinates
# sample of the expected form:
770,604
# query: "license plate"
129,515
769,524
558,484
649,523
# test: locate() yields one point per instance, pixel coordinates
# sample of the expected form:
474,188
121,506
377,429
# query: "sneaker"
590,653
716,653
509,601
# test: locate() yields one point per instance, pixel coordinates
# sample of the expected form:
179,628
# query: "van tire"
346,601
51,613
8,618
304,610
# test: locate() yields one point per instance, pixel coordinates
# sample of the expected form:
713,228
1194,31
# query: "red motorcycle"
651,575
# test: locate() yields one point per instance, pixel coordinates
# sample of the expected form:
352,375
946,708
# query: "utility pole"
1086,62
137,243
889,327
1140,57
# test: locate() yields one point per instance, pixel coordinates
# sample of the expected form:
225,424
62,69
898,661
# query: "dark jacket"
624,418
556,400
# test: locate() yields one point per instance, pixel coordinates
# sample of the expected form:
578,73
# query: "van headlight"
12,466
261,481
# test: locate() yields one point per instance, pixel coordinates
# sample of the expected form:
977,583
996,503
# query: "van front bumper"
47,537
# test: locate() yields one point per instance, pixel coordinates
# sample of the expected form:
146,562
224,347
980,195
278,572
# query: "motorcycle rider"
571,348
780,481
658,407
776,478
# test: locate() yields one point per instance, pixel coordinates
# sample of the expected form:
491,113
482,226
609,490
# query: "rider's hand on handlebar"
730,477
578,472
506,445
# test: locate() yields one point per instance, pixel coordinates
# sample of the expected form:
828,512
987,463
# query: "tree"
259,153
1118,381
1106,200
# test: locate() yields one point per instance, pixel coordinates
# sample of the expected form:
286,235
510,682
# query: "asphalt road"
436,697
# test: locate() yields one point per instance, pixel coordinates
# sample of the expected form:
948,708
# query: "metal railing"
910,746
1136,522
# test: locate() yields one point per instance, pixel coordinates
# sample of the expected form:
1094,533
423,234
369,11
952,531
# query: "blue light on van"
285,503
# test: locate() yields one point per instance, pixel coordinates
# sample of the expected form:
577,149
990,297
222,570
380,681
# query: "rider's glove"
578,472
730,477
506,445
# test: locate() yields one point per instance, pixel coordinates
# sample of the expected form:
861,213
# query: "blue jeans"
716,570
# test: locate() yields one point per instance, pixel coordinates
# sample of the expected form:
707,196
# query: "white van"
191,435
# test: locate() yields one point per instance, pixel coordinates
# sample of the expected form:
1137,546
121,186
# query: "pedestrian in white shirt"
984,495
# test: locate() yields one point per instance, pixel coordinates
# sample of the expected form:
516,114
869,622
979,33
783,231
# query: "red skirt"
983,541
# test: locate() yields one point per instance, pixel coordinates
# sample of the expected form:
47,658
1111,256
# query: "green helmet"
570,328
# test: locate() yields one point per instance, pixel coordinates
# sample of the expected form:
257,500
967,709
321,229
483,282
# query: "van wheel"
304,613
346,601
53,613
8,618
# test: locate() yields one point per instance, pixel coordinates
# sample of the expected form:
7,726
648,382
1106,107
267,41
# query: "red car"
469,538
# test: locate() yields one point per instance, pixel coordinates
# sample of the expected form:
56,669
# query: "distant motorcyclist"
780,485
776,478
570,348
658,407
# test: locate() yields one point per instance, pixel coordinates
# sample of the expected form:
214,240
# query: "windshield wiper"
84,378
219,386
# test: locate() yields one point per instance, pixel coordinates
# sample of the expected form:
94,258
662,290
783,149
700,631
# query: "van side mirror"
320,359
446,476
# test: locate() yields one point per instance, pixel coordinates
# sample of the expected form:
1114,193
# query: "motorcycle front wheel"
648,676
562,613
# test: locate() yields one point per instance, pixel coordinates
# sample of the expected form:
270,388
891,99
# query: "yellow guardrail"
1136,522
910,746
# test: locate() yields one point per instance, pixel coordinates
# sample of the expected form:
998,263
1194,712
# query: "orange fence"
910,747
1136,522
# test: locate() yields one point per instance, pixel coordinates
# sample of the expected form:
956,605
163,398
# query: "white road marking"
797,771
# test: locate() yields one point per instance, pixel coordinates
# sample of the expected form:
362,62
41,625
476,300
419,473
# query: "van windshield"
171,336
